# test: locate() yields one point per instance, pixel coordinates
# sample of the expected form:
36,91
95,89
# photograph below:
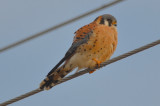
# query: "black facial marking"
102,21
109,22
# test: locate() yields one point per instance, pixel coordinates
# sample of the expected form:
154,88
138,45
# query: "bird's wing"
76,43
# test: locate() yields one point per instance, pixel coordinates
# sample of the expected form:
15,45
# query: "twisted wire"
84,71
58,26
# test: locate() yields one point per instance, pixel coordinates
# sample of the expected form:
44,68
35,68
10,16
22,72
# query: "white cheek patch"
106,23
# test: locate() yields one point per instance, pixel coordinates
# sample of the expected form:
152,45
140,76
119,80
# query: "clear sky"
133,81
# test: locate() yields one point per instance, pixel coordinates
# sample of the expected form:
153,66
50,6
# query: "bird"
92,44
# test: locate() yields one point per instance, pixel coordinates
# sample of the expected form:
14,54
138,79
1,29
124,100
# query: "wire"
58,26
84,71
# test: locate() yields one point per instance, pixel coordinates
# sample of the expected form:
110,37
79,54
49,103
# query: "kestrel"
92,44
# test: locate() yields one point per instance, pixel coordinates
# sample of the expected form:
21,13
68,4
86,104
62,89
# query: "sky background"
133,81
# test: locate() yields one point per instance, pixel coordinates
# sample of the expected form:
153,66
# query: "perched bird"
93,44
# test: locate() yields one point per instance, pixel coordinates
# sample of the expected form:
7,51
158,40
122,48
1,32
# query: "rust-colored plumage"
93,43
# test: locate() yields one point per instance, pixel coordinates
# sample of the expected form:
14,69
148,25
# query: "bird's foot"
97,62
92,71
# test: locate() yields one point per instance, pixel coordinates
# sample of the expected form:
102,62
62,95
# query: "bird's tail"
52,79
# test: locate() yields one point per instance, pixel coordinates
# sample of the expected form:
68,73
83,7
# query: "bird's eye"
109,20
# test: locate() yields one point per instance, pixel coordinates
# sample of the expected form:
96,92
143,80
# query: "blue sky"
133,81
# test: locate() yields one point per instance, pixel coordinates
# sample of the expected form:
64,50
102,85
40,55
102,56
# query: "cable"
58,26
84,71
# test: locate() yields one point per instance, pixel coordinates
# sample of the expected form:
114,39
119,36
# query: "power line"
84,71
58,26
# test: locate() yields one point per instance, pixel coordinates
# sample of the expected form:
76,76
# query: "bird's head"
106,19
